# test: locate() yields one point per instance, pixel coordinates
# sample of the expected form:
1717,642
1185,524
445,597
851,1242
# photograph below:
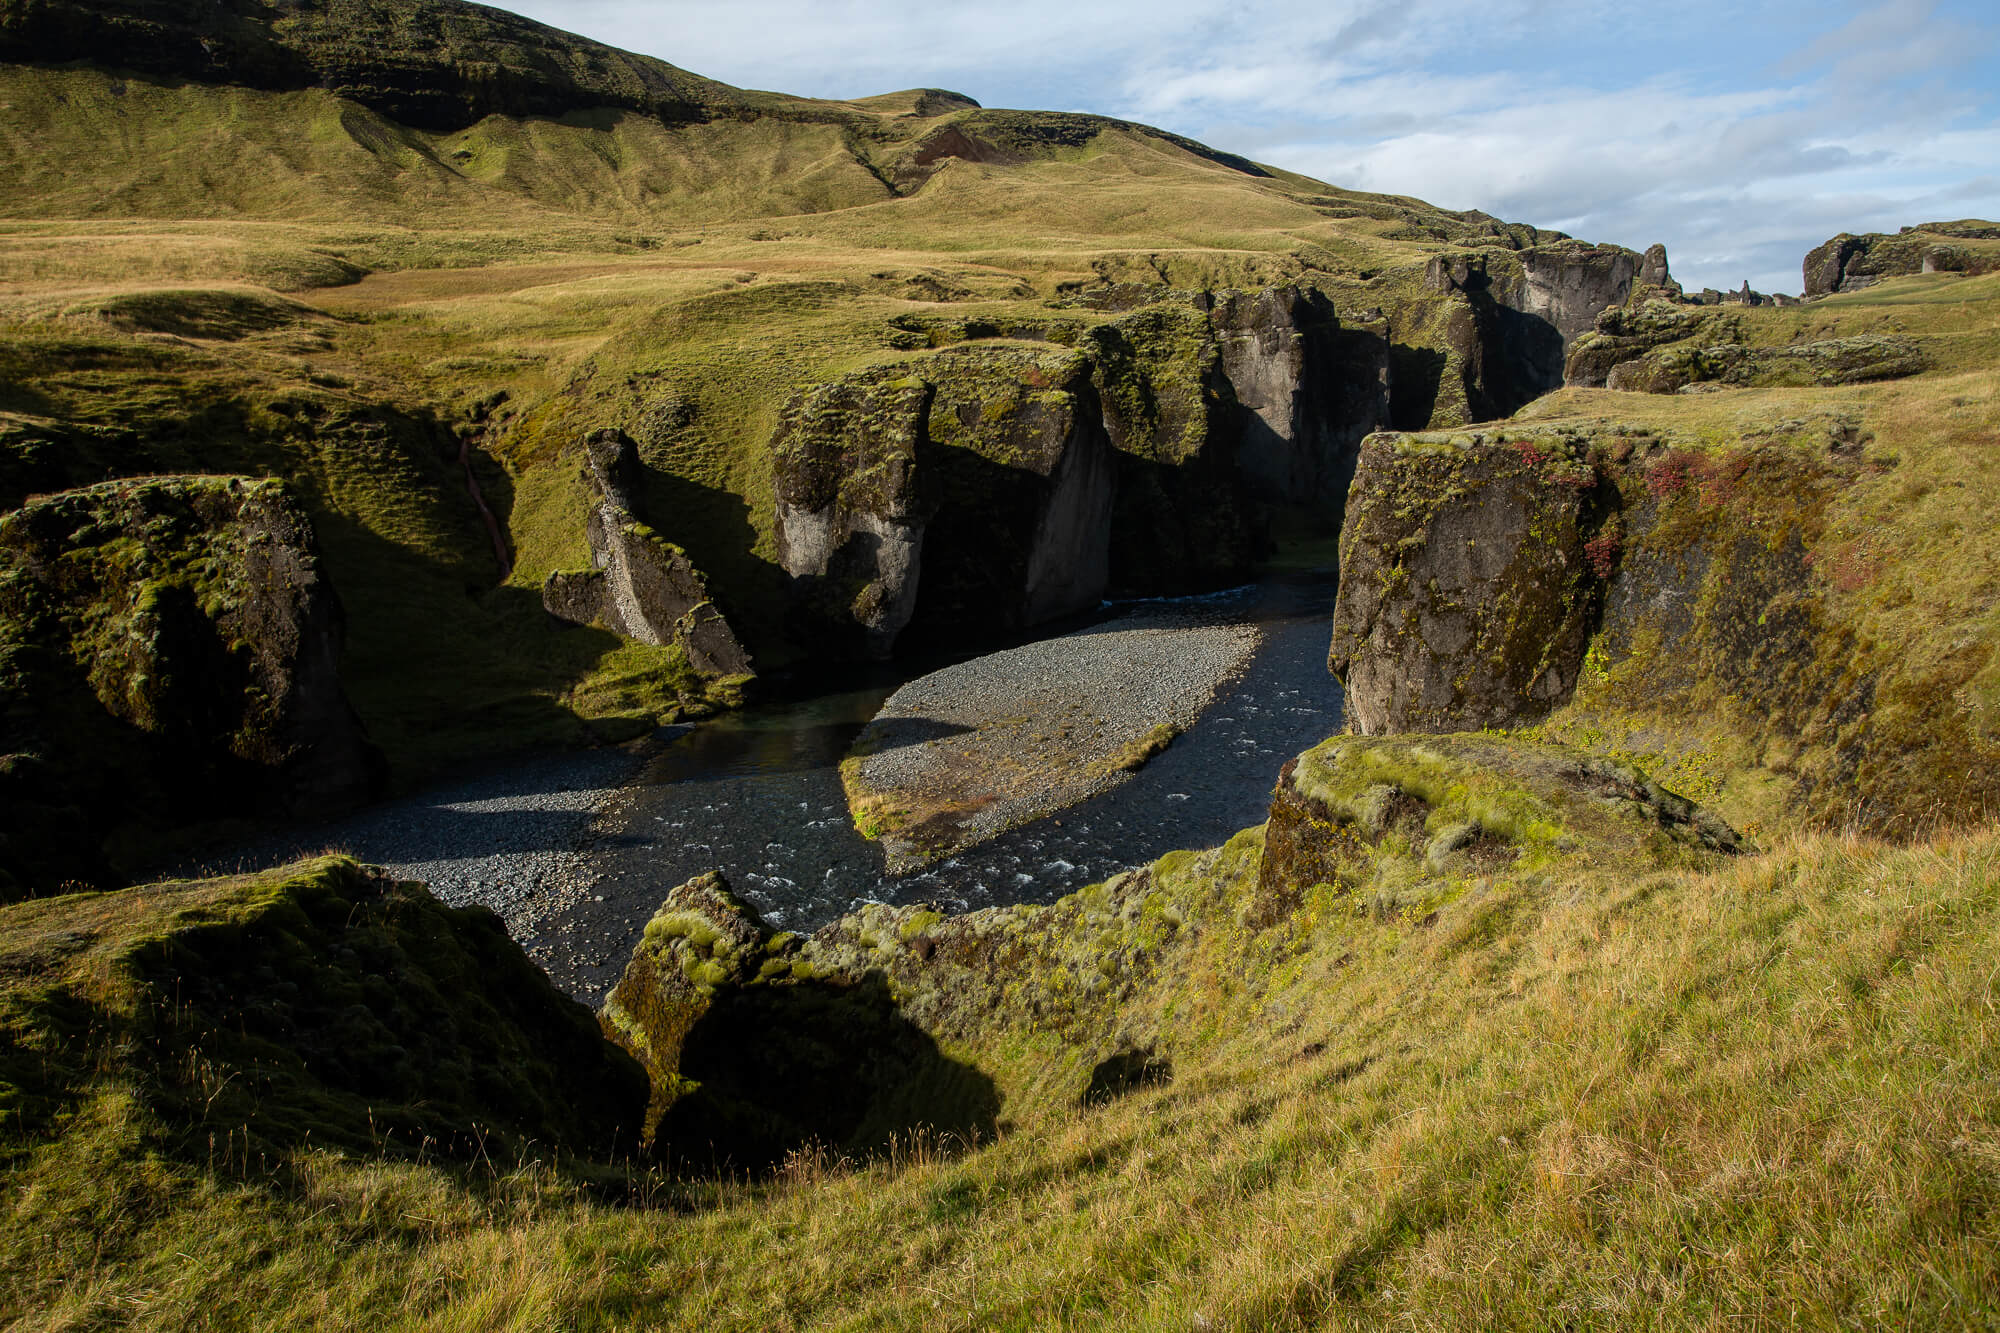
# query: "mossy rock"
168,648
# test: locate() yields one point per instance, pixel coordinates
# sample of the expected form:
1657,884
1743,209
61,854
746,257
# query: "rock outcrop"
1849,262
757,1047
168,651
1665,347
1466,593
1491,578
985,488
643,588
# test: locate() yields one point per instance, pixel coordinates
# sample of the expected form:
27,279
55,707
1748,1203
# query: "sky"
1739,136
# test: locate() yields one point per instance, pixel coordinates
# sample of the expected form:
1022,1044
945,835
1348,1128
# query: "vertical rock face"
1307,394
180,647
1569,285
1466,593
1523,309
850,520
644,587
1015,461
986,488
1487,580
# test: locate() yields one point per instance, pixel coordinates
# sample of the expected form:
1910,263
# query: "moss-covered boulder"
168,653
755,1051
1467,594
323,1005
642,586
1379,815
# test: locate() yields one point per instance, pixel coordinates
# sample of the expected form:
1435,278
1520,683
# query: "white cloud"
1741,138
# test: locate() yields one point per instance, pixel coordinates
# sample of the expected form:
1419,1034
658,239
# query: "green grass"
1587,1097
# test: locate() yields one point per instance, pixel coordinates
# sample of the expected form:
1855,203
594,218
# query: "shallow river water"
757,795
576,850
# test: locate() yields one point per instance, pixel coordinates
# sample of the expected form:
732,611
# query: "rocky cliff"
993,485
1490,578
1508,317
1466,594
642,587
168,652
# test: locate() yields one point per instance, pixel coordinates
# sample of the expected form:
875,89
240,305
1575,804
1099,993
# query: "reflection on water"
769,739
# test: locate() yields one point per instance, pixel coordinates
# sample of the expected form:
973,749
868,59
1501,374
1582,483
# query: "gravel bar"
968,752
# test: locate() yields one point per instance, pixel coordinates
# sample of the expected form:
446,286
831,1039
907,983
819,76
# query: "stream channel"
576,851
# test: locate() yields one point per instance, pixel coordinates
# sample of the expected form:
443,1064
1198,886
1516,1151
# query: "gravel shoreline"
516,840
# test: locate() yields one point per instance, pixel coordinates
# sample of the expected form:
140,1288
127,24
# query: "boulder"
758,1045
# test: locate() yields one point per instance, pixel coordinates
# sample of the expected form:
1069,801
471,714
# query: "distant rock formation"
1849,262
644,587
168,651
1663,347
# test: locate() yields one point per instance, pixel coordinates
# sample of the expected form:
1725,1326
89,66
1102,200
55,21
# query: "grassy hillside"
1595,1089
1902,563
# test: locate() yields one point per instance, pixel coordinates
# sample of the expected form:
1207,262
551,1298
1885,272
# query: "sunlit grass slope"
1759,1092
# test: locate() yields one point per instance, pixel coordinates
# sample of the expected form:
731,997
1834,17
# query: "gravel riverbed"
967,752
575,851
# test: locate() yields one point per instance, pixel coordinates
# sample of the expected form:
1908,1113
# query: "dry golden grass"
1757,1096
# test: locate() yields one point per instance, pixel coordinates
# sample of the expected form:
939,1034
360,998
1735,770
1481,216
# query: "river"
576,850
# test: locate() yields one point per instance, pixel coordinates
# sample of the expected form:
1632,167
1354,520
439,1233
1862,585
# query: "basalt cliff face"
986,488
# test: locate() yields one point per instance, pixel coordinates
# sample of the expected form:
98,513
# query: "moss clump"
1136,753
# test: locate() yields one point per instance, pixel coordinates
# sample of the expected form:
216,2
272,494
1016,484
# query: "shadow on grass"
788,1068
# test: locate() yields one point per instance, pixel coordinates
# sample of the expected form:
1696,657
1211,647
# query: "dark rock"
850,519
756,1047
179,643
643,588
